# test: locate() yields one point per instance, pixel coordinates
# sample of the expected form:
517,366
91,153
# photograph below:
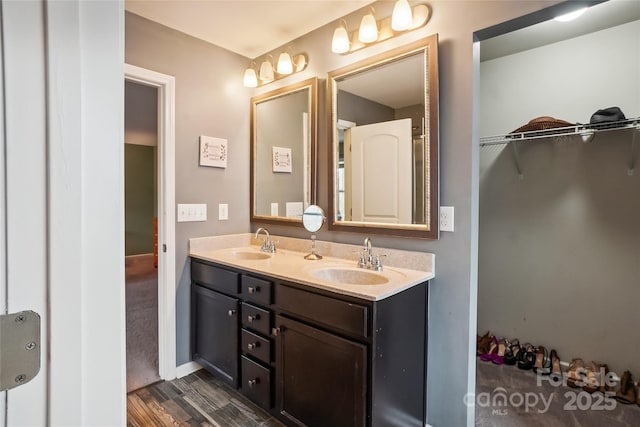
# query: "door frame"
165,85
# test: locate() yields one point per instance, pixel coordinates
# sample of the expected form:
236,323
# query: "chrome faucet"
367,260
267,244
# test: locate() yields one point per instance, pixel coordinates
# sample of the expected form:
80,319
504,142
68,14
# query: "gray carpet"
142,321
562,405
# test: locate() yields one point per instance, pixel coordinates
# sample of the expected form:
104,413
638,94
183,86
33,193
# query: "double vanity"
314,342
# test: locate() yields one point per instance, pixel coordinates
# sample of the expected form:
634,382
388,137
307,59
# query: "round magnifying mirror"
312,219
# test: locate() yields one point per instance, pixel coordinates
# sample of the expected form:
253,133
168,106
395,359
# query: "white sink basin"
247,255
351,276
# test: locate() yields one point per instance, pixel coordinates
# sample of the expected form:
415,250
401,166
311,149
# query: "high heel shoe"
526,357
511,353
542,364
492,350
498,358
556,369
576,373
627,392
482,343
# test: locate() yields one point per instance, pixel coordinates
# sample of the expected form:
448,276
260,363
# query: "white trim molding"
165,85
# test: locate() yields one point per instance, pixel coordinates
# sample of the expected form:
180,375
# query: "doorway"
163,178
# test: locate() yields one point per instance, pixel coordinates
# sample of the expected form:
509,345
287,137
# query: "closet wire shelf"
584,131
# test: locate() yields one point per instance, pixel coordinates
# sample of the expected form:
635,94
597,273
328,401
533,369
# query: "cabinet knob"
231,312
252,345
253,290
275,331
252,318
253,382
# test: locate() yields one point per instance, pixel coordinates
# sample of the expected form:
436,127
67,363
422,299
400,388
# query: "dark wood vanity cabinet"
312,357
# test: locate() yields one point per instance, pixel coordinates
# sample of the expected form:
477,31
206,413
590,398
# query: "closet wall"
559,252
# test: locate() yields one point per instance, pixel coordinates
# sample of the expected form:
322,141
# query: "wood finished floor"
198,399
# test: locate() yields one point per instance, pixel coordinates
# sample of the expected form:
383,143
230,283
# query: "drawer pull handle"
231,312
250,318
253,382
275,331
252,345
253,290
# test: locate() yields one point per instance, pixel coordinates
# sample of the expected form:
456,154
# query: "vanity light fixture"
250,78
267,73
266,70
404,18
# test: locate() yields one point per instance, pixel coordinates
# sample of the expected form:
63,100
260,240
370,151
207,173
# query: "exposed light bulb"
285,65
250,78
402,18
340,42
368,29
571,15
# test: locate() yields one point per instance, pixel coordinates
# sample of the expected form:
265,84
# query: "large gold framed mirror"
384,152
283,152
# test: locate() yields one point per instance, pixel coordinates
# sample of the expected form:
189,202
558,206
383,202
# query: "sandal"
592,380
542,365
556,369
526,357
483,343
493,349
511,353
498,358
576,373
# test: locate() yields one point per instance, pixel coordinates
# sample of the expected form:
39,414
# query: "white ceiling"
248,27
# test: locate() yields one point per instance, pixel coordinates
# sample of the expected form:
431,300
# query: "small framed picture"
213,152
281,159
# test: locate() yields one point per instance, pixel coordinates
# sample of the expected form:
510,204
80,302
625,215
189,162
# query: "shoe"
593,377
556,369
526,357
542,364
492,350
607,385
511,353
576,373
482,343
627,392
638,394
498,358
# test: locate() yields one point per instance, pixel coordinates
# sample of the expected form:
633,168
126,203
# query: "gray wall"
280,124
362,111
210,100
558,250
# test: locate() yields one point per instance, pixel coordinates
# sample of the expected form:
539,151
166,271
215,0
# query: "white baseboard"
186,369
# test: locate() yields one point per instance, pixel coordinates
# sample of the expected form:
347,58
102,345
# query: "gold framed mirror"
384,151
283,152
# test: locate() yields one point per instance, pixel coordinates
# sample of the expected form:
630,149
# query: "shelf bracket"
634,147
516,159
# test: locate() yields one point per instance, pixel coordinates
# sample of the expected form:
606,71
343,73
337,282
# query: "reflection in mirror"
283,144
312,219
384,119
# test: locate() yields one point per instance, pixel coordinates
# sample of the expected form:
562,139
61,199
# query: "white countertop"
288,264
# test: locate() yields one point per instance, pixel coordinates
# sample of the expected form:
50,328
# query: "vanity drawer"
256,346
256,318
215,278
256,290
256,382
332,312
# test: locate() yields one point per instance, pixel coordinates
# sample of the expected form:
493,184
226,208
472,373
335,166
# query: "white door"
61,216
381,172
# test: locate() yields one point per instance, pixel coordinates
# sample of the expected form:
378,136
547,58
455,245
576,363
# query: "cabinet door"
214,329
321,378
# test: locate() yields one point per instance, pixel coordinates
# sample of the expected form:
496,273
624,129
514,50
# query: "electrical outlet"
223,212
446,218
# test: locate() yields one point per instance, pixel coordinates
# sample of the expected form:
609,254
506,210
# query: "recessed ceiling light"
571,15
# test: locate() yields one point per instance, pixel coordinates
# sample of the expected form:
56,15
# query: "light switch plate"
223,212
446,218
192,212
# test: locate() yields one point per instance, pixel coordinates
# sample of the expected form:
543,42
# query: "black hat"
611,114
